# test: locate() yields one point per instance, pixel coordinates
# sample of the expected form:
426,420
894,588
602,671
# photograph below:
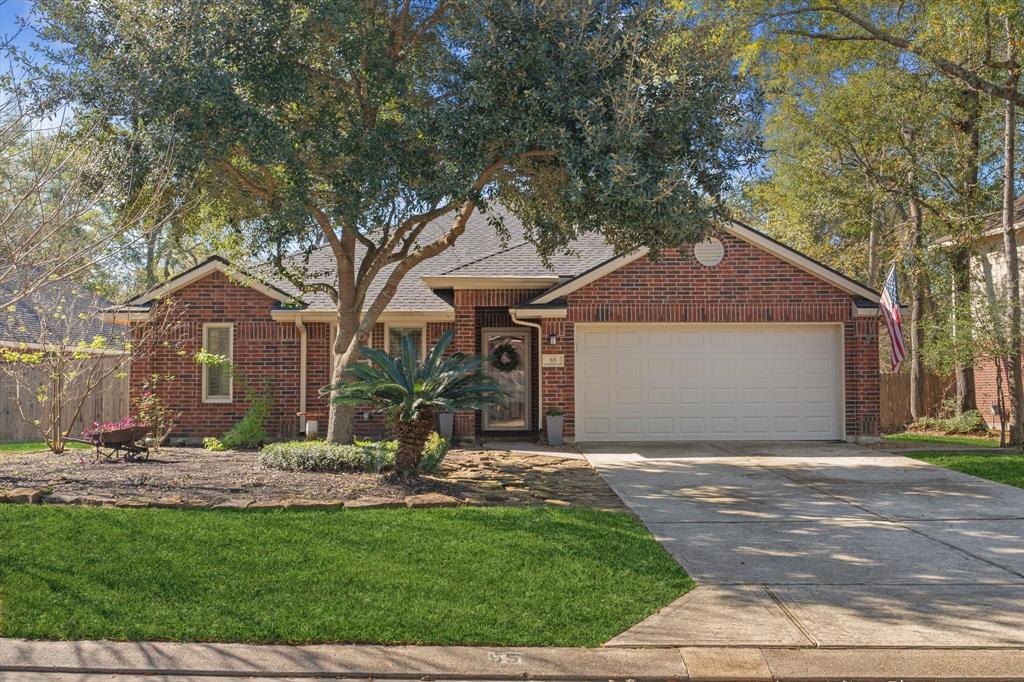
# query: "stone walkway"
824,545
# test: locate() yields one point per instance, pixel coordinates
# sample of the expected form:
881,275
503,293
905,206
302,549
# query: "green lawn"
34,446
1007,469
535,576
925,438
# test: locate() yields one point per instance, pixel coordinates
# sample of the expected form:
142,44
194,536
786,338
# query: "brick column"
863,410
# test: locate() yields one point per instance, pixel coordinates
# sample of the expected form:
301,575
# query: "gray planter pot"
555,429
445,424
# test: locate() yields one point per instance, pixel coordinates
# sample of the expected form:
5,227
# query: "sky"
10,10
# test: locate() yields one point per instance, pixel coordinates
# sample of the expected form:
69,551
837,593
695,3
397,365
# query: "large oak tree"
361,124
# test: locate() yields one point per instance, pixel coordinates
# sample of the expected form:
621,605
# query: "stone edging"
45,496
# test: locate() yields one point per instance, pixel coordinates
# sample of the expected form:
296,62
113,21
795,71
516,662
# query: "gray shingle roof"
59,313
480,252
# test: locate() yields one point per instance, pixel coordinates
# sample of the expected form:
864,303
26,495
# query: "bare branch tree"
59,355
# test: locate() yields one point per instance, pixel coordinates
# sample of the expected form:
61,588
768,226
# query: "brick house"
739,337
988,270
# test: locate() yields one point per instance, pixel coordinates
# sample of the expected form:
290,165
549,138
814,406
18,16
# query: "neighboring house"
60,313
58,317
739,337
988,265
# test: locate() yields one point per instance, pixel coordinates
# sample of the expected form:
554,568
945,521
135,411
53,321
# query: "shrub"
434,452
969,422
316,455
378,454
368,456
249,433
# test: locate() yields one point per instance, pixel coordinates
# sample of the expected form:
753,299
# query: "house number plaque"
553,360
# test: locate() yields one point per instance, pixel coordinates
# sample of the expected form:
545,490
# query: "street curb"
698,664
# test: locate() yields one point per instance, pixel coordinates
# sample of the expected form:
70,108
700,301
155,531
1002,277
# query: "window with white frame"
395,334
218,339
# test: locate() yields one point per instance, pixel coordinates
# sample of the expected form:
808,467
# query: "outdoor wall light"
553,339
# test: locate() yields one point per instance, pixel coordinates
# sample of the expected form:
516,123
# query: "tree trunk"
412,436
151,258
873,252
966,398
344,351
916,309
1013,363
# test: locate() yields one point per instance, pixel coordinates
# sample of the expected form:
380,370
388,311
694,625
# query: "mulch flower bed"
192,477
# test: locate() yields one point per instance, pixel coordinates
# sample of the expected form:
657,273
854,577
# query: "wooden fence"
109,403
895,397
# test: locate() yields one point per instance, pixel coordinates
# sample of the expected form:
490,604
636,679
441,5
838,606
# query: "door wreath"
506,358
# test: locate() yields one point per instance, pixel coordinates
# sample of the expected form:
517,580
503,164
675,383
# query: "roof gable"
738,230
207,267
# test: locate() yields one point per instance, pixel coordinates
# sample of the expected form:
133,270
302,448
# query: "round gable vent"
709,252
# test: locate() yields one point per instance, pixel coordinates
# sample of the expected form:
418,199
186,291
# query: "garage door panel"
691,396
676,382
660,396
594,368
621,339
662,368
658,340
723,397
629,397
628,368
660,425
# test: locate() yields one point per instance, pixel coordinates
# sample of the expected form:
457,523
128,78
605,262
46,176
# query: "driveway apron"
823,545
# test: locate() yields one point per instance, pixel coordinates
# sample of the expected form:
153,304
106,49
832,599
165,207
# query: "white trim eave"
457,282
946,240
865,312
125,317
196,274
52,347
589,276
748,235
535,313
396,316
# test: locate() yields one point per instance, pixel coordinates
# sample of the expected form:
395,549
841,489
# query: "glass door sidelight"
508,363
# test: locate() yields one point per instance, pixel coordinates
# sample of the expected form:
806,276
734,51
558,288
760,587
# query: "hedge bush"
366,456
315,455
969,422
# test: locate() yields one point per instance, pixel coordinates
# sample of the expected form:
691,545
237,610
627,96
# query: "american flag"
890,306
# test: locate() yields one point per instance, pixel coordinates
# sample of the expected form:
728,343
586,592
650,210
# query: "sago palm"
413,393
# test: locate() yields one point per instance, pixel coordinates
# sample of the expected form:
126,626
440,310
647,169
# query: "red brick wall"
985,390
265,350
862,377
749,285
266,353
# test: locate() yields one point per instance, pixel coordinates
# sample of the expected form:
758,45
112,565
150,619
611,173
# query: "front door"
508,363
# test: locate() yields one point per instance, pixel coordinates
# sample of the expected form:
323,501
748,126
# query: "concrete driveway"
824,544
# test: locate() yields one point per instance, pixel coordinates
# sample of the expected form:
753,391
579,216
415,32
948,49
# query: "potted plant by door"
555,419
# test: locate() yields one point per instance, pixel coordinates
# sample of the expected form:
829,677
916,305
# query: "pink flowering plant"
95,433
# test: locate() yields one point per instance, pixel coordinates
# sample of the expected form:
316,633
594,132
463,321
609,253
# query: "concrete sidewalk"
29,661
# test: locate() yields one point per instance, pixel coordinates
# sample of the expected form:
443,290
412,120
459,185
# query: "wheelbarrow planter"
128,443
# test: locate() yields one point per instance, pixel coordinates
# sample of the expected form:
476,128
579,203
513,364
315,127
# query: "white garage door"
707,382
